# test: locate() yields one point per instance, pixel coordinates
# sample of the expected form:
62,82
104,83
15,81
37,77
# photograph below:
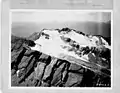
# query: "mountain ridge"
42,69
26,29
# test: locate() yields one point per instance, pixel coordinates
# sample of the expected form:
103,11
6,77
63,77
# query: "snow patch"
55,46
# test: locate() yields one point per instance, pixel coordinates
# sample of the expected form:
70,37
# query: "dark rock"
34,36
49,68
74,80
45,58
28,70
30,81
25,62
14,80
75,67
57,77
92,58
18,59
30,43
88,78
39,72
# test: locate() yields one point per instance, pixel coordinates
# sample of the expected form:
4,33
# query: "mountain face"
61,58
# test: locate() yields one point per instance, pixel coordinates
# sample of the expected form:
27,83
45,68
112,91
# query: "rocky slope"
60,58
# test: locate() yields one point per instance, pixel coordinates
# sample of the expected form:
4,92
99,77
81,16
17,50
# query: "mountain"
61,58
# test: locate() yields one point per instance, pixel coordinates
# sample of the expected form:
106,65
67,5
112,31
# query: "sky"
24,23
47,16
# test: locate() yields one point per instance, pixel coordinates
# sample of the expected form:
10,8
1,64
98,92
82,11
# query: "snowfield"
51,43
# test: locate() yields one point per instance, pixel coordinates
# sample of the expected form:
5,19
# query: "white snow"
36,47
82,40
17,72
54,45
106,43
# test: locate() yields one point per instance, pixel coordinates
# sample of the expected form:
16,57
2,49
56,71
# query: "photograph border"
39,88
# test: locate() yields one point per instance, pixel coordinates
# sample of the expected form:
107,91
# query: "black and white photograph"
61,48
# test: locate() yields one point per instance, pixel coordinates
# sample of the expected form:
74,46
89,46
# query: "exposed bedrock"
33,68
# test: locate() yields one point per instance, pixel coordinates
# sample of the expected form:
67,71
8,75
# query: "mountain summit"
67,45
72,43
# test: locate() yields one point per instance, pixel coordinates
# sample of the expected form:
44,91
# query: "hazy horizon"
95,23
25,29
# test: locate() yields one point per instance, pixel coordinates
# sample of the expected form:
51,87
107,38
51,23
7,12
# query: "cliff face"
31,66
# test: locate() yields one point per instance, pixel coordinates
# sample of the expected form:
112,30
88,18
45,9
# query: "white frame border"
62,88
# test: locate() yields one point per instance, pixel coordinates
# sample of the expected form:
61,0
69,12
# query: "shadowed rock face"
34,68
